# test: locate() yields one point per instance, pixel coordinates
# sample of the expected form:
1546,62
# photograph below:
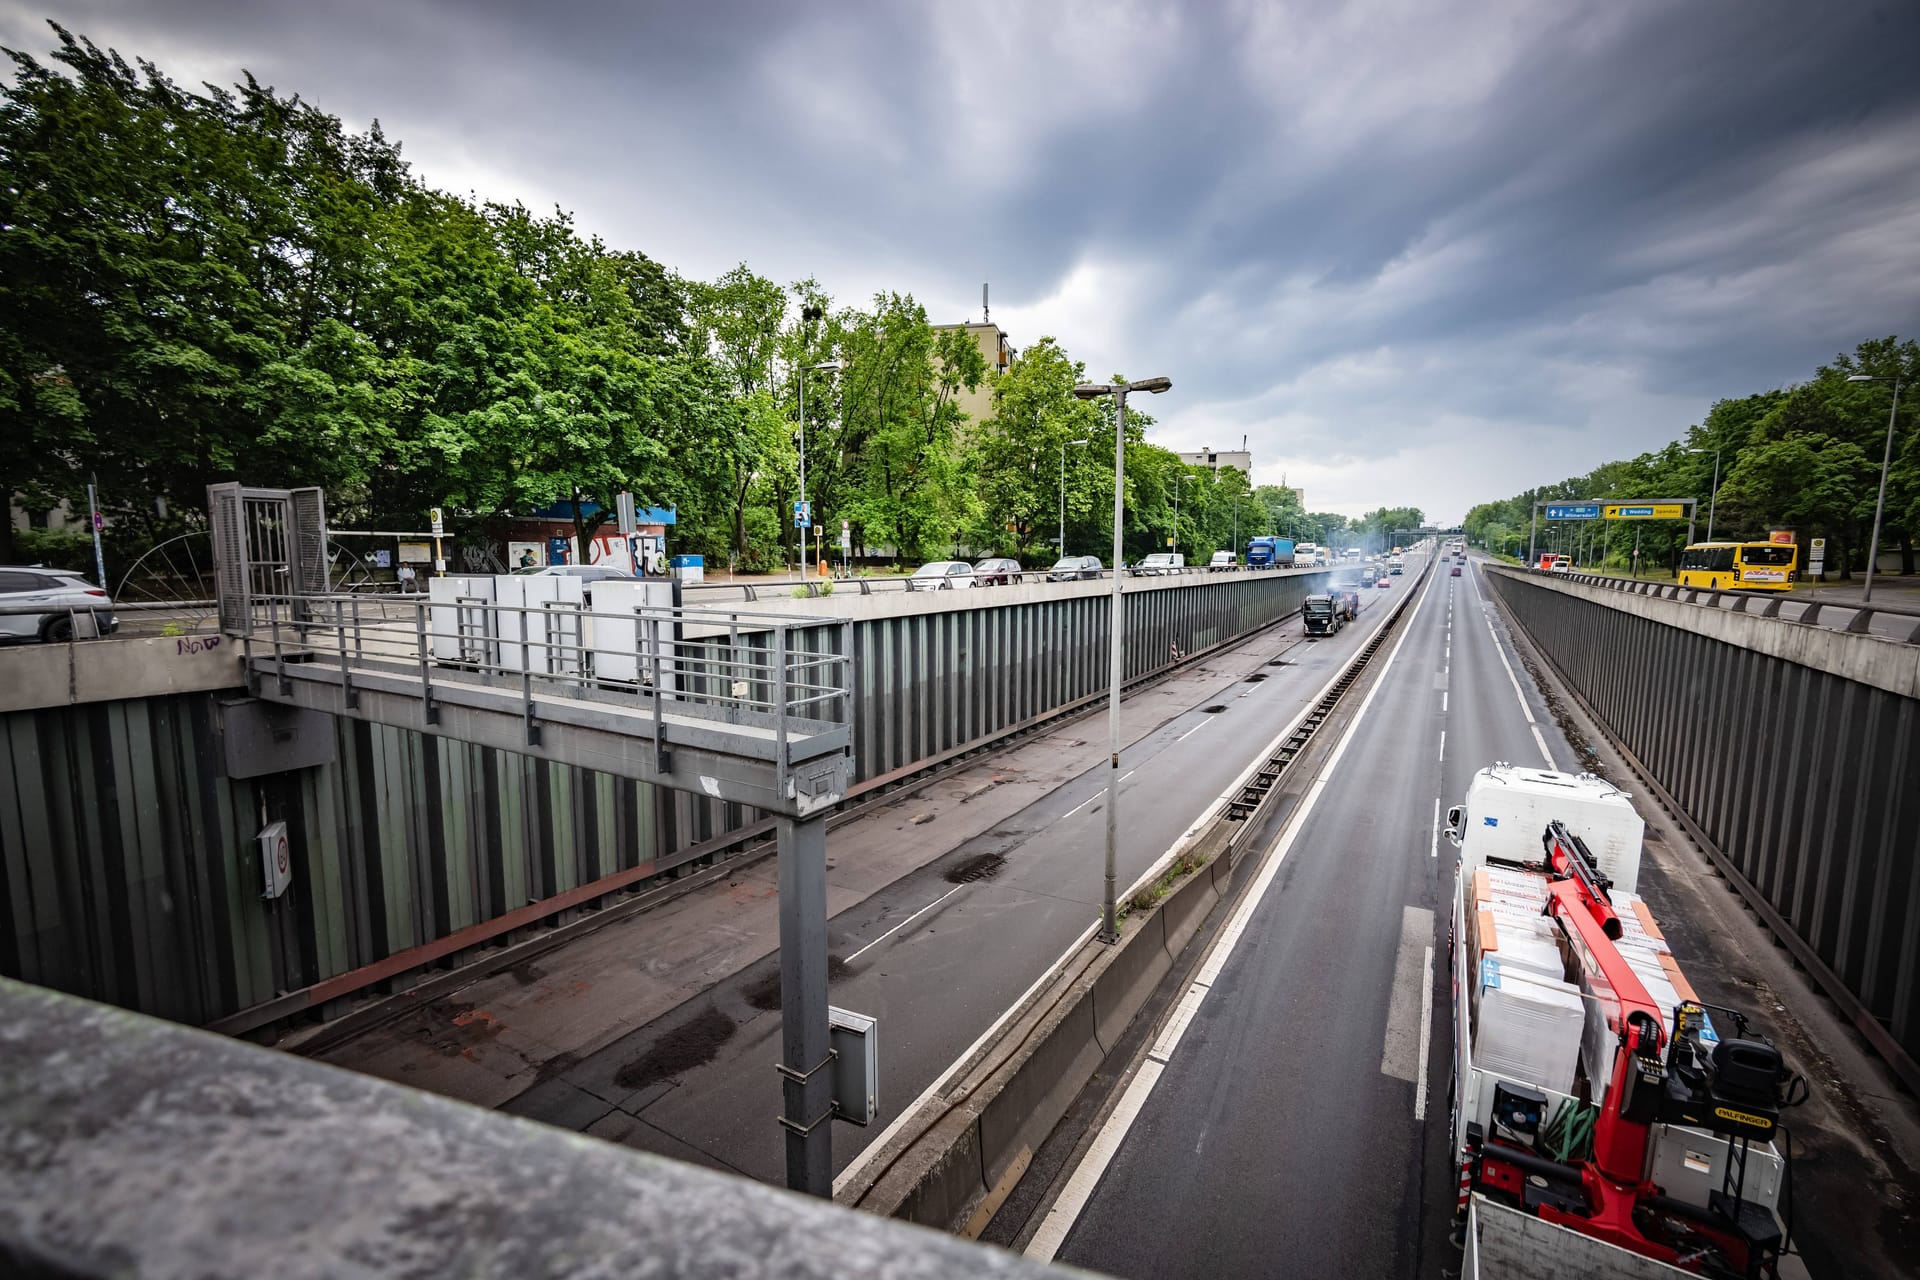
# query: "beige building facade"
998,353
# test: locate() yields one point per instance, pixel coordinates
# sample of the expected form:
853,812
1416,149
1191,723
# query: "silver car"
40,604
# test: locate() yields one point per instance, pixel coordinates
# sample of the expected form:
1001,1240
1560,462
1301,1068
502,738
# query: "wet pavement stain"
983,866
1215,709
764,992
677,1052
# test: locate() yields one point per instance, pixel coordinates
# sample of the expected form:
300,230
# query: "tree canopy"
1806,458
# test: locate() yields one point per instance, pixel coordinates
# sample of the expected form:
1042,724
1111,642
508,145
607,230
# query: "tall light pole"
1886,460
1063,495
825,366
1713,500
1179,487
1109,914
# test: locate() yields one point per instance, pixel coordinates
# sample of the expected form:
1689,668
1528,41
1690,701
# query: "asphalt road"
1280,1136
940,955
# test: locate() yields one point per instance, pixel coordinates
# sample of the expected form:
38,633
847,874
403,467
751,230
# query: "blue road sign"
1573,511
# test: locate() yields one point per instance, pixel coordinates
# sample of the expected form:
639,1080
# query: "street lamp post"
1178,488
1063,496
1886,460
1109,913
825,366
1713,500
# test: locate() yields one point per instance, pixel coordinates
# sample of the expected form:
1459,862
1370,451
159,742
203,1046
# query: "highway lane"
938,962
1287,1130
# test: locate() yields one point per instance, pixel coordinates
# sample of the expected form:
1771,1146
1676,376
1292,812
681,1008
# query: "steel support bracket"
804,1129
802,1077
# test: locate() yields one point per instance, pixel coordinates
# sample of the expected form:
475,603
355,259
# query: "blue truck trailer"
1270,553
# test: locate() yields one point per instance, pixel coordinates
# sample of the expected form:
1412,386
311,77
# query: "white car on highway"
942,575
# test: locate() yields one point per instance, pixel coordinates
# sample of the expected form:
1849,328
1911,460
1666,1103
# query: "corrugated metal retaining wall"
129,870
1802,779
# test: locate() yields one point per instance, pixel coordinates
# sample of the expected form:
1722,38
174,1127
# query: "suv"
997,571
1070,568
61,592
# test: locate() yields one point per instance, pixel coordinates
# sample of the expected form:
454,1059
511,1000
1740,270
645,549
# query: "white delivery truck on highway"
1306,555
1605,1122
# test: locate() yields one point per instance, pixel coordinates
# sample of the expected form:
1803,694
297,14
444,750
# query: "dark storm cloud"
1408,252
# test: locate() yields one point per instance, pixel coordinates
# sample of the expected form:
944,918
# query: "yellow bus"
1739,566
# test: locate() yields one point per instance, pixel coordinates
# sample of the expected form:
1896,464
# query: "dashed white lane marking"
1433,850
904,923
1443,746
1197,728
1426,1038
1400,1046
1082,1182
1443,699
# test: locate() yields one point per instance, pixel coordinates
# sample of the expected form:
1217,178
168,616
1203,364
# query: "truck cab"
1321,615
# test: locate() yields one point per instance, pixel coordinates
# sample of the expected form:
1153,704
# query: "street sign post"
1647,510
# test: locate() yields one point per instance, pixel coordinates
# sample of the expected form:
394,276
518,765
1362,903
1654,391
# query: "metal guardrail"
1859,617
85,621
815,587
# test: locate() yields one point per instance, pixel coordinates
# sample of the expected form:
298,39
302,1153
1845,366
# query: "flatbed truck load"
1593,1094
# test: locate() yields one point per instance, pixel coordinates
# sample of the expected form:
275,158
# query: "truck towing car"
1605,1121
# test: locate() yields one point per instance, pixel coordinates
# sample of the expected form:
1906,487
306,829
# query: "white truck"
1306,555
1601,1124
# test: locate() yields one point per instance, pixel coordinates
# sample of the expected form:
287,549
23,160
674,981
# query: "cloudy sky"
1414,255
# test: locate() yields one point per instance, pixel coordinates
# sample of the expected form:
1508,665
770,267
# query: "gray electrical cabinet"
855,1041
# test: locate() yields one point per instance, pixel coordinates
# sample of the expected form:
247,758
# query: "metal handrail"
503,642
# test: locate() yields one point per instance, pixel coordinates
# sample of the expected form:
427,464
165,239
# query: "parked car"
941,575
61,592
1223,562
1070,568
587,574
997,571
1161,562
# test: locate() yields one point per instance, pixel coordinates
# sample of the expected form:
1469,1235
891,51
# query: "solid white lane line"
1197,728
1538,739
1426,1038
1066,1210
872,1150
904,923
1434,850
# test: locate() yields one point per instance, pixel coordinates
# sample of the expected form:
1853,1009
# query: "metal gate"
267,543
